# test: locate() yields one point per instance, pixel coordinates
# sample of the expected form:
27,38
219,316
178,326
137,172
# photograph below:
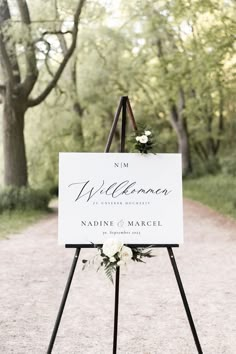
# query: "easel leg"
63,301
185,302
117,288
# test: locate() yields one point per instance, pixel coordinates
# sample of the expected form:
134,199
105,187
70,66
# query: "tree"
20,80
161,47
185,46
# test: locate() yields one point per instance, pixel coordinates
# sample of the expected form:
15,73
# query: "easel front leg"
185,301
117,288
63,301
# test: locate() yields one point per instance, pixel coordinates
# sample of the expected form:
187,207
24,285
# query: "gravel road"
34,269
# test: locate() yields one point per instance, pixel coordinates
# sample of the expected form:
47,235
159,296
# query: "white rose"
138,138
147,132
111,247
125,254
143,139
120,263
112,259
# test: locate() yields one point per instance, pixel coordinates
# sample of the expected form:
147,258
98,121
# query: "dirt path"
33,271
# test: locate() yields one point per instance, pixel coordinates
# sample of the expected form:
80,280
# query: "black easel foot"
185,302
63,301
117,288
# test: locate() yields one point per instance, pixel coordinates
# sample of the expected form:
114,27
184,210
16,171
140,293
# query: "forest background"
64,65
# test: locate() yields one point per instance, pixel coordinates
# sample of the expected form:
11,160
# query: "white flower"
147,132
111,247
120,263
138,138
112,259
125,254
143,139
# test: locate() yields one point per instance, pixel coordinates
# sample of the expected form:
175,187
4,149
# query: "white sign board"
132,197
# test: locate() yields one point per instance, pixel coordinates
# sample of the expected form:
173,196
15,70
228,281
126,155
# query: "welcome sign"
132,197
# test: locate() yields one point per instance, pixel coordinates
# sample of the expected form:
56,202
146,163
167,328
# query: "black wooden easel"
124,107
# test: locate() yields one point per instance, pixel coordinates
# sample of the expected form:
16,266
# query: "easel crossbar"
129,245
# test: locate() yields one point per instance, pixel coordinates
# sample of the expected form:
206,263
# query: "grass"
17,220
218,192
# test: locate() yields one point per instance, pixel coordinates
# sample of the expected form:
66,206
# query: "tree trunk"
180,126
184,149
15,169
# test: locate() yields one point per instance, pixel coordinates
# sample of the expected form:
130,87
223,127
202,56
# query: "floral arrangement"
143,141
113,253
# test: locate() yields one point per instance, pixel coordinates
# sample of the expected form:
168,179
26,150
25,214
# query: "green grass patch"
16,220
218,192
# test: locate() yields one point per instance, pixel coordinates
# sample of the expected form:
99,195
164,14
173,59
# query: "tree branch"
31,63
181,105
63,43
5,60
173,112
34,102
56,33
76,104
4,57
